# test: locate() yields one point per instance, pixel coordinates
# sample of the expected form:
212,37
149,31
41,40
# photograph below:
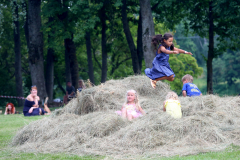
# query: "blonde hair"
83,84
172,95
187,77
136,101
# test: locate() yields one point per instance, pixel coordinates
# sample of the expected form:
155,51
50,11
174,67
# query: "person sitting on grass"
131,108
189,89
31,107
172,105
10,109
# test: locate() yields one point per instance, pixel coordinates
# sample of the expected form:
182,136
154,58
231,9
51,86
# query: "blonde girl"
131,108
172,105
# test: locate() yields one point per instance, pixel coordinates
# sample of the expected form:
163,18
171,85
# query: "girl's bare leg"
153,82
170,78
46,108
130,117
124,113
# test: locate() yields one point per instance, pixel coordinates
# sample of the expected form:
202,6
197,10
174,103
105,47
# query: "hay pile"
209,123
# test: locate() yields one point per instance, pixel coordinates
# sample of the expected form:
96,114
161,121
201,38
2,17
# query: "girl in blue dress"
161,69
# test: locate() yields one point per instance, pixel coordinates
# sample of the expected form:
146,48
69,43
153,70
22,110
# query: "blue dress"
160,67
27,105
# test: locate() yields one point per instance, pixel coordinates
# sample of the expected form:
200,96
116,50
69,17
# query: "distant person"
189,89
131,108
31,107
161,69
10,109
81,85
172,105
70,93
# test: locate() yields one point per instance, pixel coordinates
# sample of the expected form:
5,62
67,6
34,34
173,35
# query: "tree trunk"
135,61
36,46
17,50
26,31
71,52
89,56
139,41
67,65
210,51
147,32
50,68
104,46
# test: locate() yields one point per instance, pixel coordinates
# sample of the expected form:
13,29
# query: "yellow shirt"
173,107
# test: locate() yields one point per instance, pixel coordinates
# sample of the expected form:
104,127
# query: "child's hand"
189,53
175,52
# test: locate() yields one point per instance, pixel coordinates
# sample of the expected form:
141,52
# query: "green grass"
221,89
9,124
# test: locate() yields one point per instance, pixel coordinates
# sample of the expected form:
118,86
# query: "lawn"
221,89
9,124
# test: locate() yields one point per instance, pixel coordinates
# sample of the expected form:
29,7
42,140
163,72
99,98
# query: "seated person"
31,107
81,85
10,109
70,93
172,105
189,89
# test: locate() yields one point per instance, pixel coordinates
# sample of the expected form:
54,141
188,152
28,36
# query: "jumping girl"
161,69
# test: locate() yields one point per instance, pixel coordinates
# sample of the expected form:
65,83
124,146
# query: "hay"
89,126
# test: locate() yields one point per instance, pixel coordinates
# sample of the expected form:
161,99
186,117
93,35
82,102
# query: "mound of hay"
209,123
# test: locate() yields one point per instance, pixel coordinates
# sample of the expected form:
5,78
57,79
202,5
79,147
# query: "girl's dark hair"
159,39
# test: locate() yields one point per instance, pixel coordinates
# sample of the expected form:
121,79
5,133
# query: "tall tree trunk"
50,67
210,51
67,65
89,56
135,61
147,32
36,46
71,52
17,50
139,41
104,45
25,26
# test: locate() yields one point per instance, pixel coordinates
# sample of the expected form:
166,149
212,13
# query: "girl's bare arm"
141,110
164,50
181,51
5,111
36,99
164,109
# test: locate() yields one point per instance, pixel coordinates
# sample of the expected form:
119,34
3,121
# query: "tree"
50,65
206,18
89,55
135,61
104,41
147,32
36,46
181,65
17,50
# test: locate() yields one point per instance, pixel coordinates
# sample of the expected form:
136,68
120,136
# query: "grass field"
221,89
9,124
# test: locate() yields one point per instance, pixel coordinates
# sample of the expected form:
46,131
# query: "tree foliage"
72,20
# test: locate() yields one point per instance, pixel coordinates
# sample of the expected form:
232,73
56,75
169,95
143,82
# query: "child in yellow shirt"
172,105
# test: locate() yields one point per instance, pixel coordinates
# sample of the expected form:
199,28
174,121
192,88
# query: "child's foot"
46,100
153,83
